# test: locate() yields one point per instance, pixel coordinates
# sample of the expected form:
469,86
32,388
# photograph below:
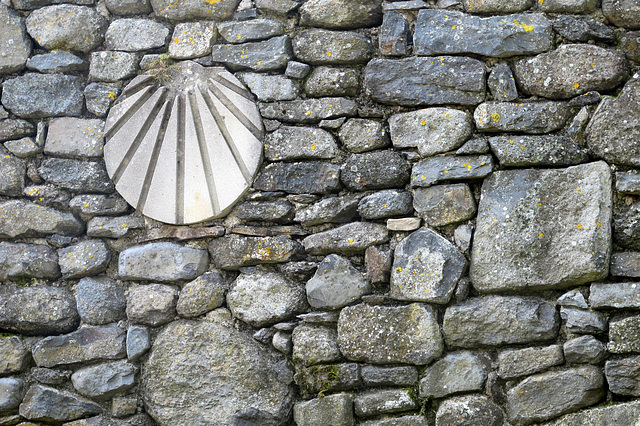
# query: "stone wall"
444,229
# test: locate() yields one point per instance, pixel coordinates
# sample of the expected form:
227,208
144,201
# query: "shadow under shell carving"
184,143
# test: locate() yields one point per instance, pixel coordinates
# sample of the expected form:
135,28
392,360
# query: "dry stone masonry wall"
444,229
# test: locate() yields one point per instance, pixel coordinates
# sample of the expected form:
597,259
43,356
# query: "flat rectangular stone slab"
543,228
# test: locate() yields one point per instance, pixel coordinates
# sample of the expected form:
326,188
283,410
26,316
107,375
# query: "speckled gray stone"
442,205
133,35
347,239
324,47
524,362
21,218
76,175
450,167
112,66
103,381
469,410
100,300
623,335
383,204
313,344
100,96
192,39
528,117
27,260
335,284
255,29
456,372
162,262
15,43
296,143
43,95
75,137
49,404
265,55
375,170
15,355
138,341
152,304
268,88
544,150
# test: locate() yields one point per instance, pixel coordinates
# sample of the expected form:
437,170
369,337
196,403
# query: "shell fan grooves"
184,145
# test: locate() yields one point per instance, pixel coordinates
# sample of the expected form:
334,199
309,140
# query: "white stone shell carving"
184,144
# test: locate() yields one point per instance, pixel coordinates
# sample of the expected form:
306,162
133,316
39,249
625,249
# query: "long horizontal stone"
309,110
43,95
21,219
623,414
614,295
348,239
27,260
528,117
233,252
450,167
542,151
317,46
266,55
162,262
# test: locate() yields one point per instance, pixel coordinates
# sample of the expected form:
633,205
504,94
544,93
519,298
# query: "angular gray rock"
265,298
219,382
622,414
75,137
43,95
44,403
456,372
327,378
502,83
100,96
614,295
441,205
133,35
450,167
571,70
376,402
113,227
468,410
268,88
202,295
100,300
374,375
94,204
580,321
313,344
329,210
500,320
255,29
37,310
138,341
360,135
628,182
190,10
233,252
152,304
335,284
103,381
528,117
332,81
387,203
21,148
623,375
297,143
128,7
14,354
266,55
323,47
112,66
315,412
568,6
394,32
345,14
89,343
162,262
279,211
13,176
549,395
624,335
348,239
421,81
543,221
630,45
446,32
14,41
426,268
309,110
297,70
499,6
623,13
540,151
12,128
582,28
524,362
584,350
27,260
89,257
21,218
11,393
76,175
385,334
299,178
192,40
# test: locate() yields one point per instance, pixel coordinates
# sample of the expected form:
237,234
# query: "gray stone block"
537,151
469,410
450,167
456,372
348,239
297,143
49,404
266,55
14,354
524,362
528,117
300,178
103,381
313,344
268,88
375,170
335,284
323,47
100,300
584,350
43,95
162,262
254,29
624,335
442,205
331,410
152,304
138,341
234,252
387,203
376,402
202,295
309,110
27,219
623,375
89,257
27,260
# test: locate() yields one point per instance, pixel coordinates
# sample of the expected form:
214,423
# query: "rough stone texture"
510,249
373,403
21,218
623,375
75,137
27,260
37,310
567,6
347,239
11,393
499,320
335,284
544,150
549,395
445,32
13,176
279,211
92,204
14,354
113,227
319,47
308,110
499,6
162,262
502,83
384,204
100,300
456,372
524,362
583,322
468,410
192,40
233,252
138,341
43,95
628,182
264,298
394,33
614,295
331,410
373,375
193,9
296,143
133,35
269,88
112,66
330,81
623,13
317,379
43,403
624,414
625,225
426,268
255,29
299,178
100,96
584,350
630,45
623,335
128,7
313,344
67,27
613,139
202,295
571,70
450,167
222,371
375,170
444,204
582,28
425,81
76,175
361,135
103,381
345,14
266,55
86,258
11,128
329,210
152,304
383,334
21,148
431,130
14,41
528,117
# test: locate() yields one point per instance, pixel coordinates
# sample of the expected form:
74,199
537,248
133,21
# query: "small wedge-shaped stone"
445,32
22,219
233,252
457,372
549,395
544,150
385,335
335,284
348,239
162,262
571,70
341,13
27,260
528,117
102,381
44,403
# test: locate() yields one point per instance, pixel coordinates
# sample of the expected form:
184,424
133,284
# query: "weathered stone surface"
625,224
77,175
100,96
296,143
329,210
266,55
378,263
571,70
37,310
408,420
13,176
152,304
375,402
456,372
189,10
450,167
92,204
572,205
614,295
75,137
279,211
347,239
43,95
299,178
105,380
233,252
630,45
528,117
623,375
26,219
44,403
313,344
330,410
323,378
426,268
623,13
132,35
192,39
50,376
202,295
113,227
100,300
255,29
445,32
524,362
123,406
500,6
344,14
11,393
502,84
138,341
112,66
264,298
14,354
27,260
318,47
14,41
624,414
297,70
580,321
499,320
12,128
467,410
268,88
432,130
89,343
584,350
22,148
162,262
628,182
213,375
128,7
549,395
544,150
67,27
624,335
444,204
375,170
567,6
613,139
582,28
335,284
331,81
383,334
360,135
309,110
384,204
86,258
425,81
394,33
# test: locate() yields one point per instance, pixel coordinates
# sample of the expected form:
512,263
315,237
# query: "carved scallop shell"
184,144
